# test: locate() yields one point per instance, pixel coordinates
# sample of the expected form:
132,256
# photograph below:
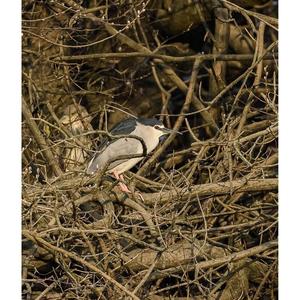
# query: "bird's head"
157,127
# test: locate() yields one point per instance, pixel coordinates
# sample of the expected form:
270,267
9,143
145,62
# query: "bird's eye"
156,127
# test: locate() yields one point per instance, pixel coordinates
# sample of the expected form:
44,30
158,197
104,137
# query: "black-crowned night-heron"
149,130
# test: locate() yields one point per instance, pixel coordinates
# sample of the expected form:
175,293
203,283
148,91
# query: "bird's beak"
169,131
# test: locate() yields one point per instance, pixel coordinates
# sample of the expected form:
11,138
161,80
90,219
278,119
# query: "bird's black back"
126,127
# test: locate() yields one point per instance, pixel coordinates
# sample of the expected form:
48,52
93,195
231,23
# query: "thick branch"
213,189
40,139
165,58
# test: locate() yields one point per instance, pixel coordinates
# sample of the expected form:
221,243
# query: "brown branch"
147,275
168,71
270,130
146,216
259,68
177,257
179,120
44,244
46,291
217,261
202,190
213,189
240,140
40,139
165,58
272,22
242,76
218,76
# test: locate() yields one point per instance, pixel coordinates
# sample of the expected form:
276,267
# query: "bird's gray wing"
109,148
113,150
122,128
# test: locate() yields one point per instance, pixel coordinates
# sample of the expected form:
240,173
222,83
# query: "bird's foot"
124,188
122,185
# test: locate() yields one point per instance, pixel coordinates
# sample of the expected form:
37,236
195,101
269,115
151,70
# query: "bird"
150,130
76,120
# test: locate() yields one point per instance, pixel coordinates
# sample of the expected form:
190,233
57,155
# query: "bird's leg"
128,191
123,186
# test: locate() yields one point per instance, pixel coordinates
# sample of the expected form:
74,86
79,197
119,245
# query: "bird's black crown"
149,122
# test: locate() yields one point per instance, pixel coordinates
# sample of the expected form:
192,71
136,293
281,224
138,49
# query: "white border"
289,147
10,145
